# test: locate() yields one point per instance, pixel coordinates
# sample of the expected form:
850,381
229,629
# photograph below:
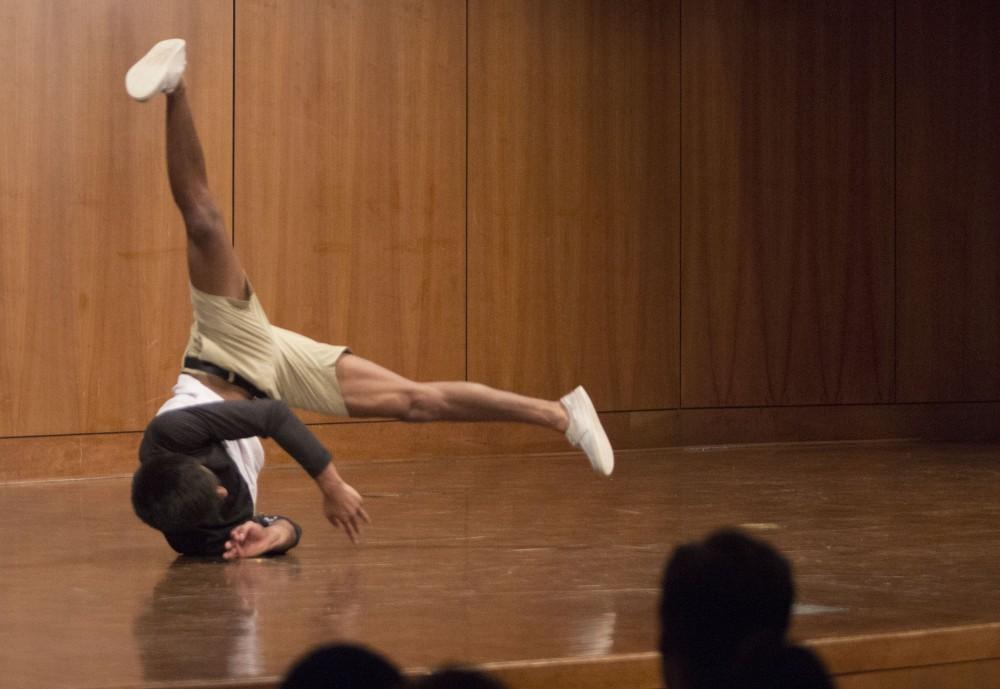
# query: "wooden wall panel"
93,299
350,182
573,198
787,158
352,214
948,200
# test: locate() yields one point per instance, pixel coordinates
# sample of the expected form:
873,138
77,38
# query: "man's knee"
423,403
204,224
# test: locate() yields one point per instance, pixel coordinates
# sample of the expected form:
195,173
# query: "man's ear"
221,492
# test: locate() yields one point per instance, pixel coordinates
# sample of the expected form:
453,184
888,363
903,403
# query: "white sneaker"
159,70
586,432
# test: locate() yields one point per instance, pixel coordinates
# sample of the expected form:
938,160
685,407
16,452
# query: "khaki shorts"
236,335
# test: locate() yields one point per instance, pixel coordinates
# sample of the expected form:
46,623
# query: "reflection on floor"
498,560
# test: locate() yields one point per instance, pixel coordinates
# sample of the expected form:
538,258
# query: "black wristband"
267,520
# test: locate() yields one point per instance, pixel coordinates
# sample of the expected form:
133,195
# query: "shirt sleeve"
191,429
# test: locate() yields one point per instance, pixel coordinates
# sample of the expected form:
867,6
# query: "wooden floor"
532,565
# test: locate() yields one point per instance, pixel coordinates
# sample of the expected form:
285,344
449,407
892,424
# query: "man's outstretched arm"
192,428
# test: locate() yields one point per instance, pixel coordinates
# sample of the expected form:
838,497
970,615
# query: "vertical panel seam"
232,165
466,190
680,203
895,221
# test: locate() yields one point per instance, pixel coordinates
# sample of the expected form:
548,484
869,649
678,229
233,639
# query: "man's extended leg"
372,390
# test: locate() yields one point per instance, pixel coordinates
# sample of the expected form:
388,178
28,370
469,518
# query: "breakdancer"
200,455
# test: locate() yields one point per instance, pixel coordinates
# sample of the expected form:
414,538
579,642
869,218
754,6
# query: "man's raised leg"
212,262
213,266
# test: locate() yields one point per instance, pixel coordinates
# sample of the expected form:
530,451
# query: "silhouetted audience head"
725,608
343,666
453,677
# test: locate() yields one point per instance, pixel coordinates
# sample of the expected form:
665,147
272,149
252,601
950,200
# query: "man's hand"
341,503
342,507
250,539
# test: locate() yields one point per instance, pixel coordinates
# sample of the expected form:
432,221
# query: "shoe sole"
144,78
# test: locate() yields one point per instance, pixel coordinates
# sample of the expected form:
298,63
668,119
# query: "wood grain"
970,675
787,260
573,198
93,300
350,158
948,200
893,548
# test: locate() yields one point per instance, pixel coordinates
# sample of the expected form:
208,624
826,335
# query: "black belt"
228,376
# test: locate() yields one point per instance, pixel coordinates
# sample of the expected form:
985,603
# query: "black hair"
343,666
175,492
456,677
725,609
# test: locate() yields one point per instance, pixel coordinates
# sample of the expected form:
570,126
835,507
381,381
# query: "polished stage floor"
505,561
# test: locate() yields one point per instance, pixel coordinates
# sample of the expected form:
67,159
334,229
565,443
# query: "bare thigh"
372,390
213,266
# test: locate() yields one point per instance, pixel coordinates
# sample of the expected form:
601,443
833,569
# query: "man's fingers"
233,550
239,534
351,528
350,521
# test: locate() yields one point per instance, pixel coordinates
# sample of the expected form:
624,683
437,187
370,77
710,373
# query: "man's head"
723,598
176,492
